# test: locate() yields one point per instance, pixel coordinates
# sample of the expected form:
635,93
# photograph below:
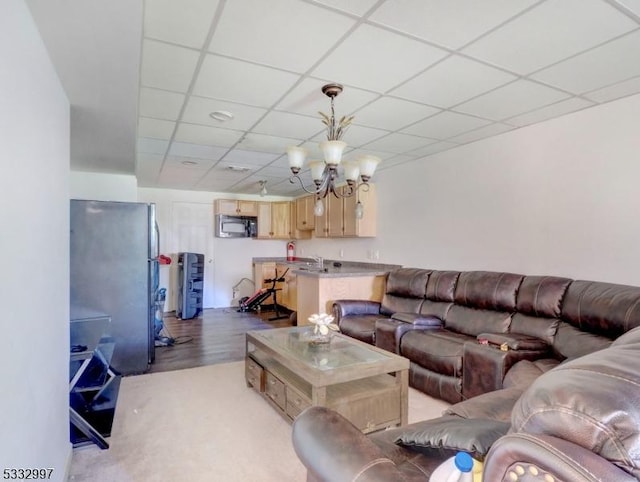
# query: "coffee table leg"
319,396
402,378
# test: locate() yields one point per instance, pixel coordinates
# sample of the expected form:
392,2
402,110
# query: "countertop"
307,267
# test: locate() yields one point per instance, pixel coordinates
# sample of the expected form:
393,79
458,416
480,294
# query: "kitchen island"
310,289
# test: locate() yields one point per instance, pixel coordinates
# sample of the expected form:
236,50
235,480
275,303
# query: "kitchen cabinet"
305,219
262,271
236,207
274,220
297,233
288,294
339,219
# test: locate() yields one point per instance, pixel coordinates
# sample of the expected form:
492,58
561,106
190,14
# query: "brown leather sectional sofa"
463,331
559,402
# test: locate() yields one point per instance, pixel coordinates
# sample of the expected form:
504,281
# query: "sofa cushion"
496,405
542,295
391,304
407,282
602,308
360,327
543,328
442,285
438,309
472,322
488,290
438,350
592,401
450,432
523,373
571,342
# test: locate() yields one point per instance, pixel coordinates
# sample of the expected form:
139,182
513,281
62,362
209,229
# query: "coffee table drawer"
254,374
274,388
296,403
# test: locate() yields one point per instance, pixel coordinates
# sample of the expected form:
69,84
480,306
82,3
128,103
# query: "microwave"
236,226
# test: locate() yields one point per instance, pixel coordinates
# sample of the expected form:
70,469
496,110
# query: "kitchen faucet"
319,261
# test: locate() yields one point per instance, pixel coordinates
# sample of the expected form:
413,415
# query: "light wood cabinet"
236,207
288,294
274,220
339,218
263,271
297,233
305,219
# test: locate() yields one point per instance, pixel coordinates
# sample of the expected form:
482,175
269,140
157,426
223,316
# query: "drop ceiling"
420,76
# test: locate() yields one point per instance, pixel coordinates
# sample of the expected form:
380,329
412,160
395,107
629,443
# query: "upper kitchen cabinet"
297,233
339,218
236,207
305,219
274,220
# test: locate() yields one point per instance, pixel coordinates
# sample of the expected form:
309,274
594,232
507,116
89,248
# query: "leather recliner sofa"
463,331
578,422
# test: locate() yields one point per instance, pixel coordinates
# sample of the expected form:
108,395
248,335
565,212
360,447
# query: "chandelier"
325,172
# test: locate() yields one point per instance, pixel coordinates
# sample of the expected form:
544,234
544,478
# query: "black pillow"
472,435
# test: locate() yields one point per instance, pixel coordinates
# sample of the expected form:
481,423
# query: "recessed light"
238,168
189,163
221,115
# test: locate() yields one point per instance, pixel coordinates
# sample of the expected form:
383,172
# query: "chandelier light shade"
325,172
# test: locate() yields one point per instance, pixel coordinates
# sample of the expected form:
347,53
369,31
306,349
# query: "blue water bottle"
454,469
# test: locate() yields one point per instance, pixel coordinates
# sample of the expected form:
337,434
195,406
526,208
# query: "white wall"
231,257
34,287
103,187
560,197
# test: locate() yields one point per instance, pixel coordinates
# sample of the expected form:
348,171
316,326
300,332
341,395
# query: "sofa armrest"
416,319
342,308
332,449
513,341
529,458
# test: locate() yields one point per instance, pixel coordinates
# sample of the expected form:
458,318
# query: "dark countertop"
307,267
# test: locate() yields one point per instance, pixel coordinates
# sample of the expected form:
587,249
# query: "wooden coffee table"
365,384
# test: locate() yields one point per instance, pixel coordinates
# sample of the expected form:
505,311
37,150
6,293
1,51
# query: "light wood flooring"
215,336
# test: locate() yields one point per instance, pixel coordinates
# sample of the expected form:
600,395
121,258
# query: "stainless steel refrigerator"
114,270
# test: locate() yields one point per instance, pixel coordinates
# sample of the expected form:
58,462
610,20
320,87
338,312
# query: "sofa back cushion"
542,296
592,401
488,290
594,314
472,321
602,308
439,309
543,328
442,285
404,291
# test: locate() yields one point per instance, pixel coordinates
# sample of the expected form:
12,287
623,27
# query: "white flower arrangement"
323,323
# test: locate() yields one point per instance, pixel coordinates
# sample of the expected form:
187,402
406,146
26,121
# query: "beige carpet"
201,424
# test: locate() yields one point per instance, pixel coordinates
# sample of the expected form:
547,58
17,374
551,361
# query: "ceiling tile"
148,168
179,175
284,124
358,7
166,66
160,104
287,34
236,81
354,154
452,81
356,135
250,157
391,113
155,128
190,163
275,172
444,125
394,161
552,31
186,22
482,133
307,98
209,136
399,143
199,108
512,99
376,59
196,150
152,146
432,149
633,5
268,144
597,68
615,91
550,111
451,23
